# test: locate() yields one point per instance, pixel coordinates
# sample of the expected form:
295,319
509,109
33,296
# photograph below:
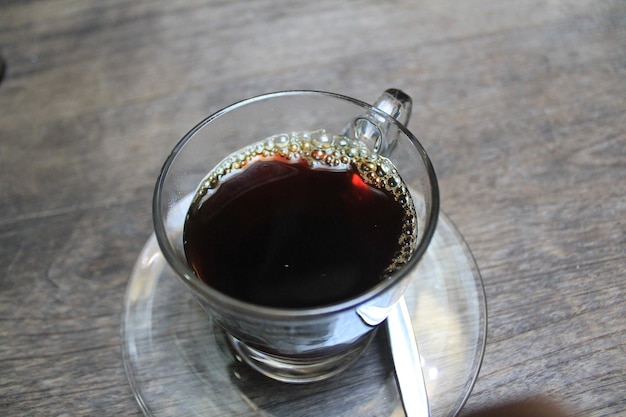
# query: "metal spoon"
409,374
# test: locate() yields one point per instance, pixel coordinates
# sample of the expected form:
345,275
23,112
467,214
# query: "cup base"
296,371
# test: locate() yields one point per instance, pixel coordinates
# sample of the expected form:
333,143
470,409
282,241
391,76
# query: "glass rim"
215,297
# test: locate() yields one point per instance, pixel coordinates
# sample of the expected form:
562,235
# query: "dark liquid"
283,234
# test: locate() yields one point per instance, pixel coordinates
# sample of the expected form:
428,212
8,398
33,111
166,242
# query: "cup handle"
373,129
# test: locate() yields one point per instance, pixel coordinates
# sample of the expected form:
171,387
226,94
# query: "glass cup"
297,344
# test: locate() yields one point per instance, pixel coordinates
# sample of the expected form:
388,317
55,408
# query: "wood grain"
521,105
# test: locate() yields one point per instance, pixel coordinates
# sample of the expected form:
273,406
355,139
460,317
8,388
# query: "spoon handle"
406,361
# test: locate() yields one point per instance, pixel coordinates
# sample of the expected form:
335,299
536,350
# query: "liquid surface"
286,230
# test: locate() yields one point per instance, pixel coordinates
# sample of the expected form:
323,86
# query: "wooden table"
521,105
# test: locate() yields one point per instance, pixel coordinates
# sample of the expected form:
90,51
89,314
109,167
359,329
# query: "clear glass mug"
296,344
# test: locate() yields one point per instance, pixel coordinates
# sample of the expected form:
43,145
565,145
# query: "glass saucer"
179,364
